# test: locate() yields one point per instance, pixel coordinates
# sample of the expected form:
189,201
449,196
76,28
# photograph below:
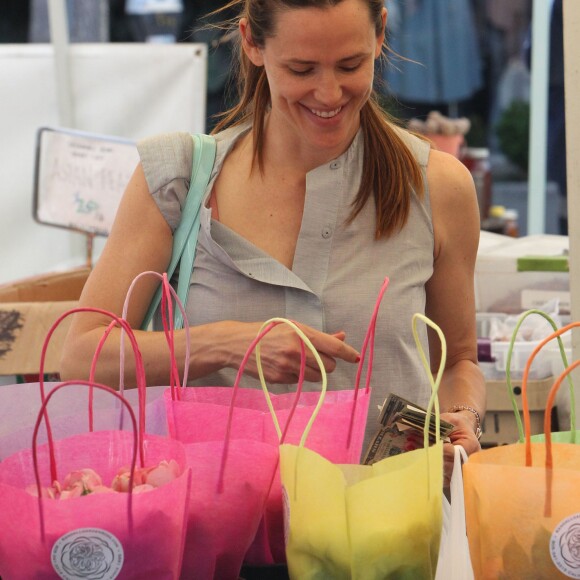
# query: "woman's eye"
300,72
350,68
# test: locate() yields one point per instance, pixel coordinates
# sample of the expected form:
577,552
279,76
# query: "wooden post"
572,90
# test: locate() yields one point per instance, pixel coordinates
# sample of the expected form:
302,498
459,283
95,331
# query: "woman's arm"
450,294
141,240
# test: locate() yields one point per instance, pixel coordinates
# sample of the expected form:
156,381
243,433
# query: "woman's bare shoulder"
454,206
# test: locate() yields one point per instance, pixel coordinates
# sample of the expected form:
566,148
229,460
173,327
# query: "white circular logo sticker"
87,553
565,546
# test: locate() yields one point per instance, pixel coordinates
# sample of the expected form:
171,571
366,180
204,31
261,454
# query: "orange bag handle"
548,410
508,371
548,431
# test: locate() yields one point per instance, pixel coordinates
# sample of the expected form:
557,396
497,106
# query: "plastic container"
501,287
541,366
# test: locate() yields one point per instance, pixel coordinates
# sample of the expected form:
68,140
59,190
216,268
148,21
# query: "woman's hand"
464,435
280,353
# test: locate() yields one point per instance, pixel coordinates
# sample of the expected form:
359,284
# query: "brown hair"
390,171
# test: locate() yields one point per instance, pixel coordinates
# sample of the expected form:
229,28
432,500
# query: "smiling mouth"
326,114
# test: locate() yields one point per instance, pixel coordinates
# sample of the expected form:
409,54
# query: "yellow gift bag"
522,501
365,521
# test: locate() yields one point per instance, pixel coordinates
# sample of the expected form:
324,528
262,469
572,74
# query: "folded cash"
401,429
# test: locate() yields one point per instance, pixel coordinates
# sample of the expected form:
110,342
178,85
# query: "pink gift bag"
95,535
231,475
198,414
233,470
100,535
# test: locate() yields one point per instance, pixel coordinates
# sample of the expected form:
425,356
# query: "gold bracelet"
457,408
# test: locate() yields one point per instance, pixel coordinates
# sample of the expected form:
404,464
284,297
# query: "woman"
314,198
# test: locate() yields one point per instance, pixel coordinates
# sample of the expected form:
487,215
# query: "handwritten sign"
80,178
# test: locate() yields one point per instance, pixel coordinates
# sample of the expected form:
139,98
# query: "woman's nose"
328,90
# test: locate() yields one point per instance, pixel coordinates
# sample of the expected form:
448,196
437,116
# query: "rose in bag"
95,535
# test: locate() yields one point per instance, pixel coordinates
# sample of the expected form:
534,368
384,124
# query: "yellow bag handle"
306,341
433,401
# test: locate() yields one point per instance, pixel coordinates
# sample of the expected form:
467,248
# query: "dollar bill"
401,425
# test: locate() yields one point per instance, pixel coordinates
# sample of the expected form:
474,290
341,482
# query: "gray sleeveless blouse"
337,273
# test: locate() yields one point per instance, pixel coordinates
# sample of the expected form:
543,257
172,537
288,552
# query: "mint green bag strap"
185,236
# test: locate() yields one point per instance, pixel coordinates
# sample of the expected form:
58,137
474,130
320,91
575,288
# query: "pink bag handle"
140,371
369,341
53,471
175,386
166,305
255,345
168,328
167,318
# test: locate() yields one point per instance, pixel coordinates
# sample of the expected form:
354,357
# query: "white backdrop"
125,90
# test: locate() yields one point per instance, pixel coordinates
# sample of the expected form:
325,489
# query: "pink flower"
121,480
76,491
103,489
163,473
84,479
47,492
142,488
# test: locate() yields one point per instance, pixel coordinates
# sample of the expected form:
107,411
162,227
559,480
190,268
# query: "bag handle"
185,236
255,345
550,401
167,291
369,341
435,383
53,472
433,401
140,369
548,431
166,306
508,371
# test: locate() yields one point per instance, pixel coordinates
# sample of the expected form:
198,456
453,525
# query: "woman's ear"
253,52
381,37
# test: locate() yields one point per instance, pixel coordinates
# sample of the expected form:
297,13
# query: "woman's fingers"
280,354
334,346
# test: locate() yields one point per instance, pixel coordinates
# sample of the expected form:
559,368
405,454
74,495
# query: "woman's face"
320,67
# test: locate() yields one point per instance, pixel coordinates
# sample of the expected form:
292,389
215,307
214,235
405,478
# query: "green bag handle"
185,236
510,389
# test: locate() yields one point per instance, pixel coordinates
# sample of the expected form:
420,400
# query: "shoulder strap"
185,236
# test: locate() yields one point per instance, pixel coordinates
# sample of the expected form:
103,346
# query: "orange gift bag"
522,501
